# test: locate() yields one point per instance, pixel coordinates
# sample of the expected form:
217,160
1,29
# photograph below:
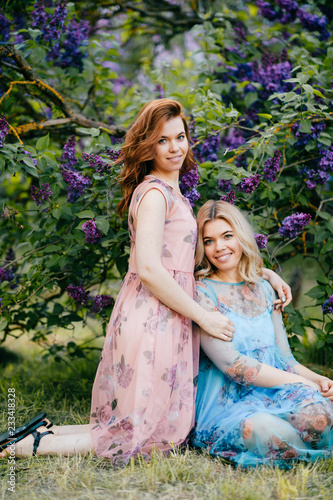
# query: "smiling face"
222,249
171,149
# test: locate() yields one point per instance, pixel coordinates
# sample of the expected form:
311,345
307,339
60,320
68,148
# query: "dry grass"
64,392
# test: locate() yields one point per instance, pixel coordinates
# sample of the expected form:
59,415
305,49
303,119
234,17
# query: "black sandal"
37,437
8,438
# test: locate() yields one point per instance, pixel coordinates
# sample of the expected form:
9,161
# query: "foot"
23,448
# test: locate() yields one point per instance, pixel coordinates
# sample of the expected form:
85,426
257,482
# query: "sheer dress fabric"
143,394
243,423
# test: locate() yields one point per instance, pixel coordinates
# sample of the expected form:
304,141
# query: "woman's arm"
149,242
325,384
245,370
281,287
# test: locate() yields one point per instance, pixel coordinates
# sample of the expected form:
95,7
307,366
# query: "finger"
287,295
324,386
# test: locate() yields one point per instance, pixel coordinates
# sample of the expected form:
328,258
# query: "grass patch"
64,392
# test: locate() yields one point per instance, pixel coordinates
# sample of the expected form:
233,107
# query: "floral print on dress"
134,409
239,421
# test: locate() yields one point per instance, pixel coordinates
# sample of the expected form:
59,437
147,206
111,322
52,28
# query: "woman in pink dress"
144,391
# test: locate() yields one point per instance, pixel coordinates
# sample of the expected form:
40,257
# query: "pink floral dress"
143,394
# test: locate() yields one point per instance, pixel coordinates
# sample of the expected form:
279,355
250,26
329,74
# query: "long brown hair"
139,149
250,265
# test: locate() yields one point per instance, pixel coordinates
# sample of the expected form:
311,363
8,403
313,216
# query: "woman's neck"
230,276
172,179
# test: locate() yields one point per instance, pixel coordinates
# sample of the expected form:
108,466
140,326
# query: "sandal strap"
37,437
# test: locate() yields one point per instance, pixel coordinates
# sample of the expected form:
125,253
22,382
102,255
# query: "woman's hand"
326,388
280,286
217,325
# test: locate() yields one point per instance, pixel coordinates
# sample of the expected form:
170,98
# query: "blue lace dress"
236,420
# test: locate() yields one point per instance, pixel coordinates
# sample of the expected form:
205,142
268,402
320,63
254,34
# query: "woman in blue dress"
255,403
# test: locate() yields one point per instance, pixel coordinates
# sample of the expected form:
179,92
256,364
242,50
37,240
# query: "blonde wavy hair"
250,265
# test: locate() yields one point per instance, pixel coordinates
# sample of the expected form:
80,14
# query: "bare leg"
61,430
56,444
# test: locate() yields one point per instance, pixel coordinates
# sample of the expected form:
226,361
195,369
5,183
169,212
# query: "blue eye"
208,242
161,141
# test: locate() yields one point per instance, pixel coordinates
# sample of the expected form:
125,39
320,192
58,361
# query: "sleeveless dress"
143,394
251,425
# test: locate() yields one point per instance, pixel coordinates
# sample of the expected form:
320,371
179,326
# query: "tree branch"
51,94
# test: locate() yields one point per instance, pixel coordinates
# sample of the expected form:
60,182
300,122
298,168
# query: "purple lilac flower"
69,152
313,177
326,162
249,184
57,24
207,149
288,12
266,10
302,137
230,197
77,184
261,240
4,28
272,167
293,224
67,53
242,72
78,293
224,185
189,180
92,234
327,306
314,23
234,139
101,302
6,275
113,154
239,31
3,130
96,162
272,77
39,16
188,183
50,26
159,91
41,195
193,196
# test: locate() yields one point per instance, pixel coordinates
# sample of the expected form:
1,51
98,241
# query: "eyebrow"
166,137
225,232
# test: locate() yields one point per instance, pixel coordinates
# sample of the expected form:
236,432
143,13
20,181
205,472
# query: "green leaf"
316,293
56,212
43,142
265,115
318,93
86,214
324,140
105,140
29,166
3,324
103,225
94,132
307,88
34,33
306,125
